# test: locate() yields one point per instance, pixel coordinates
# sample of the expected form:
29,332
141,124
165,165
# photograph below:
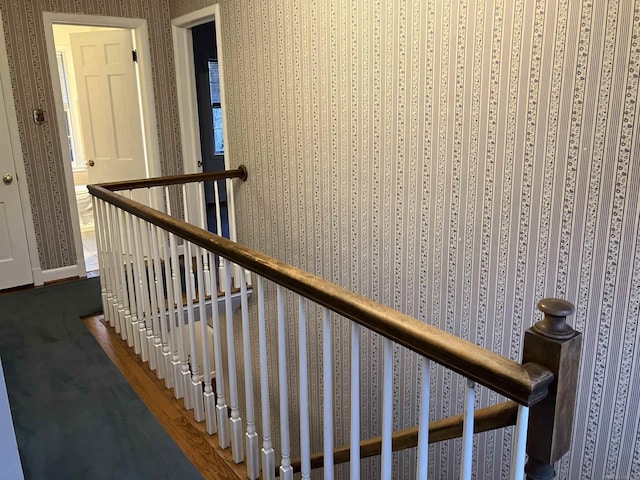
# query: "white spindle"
150,277
231,220
327,356
123,267
355,401
100,228
216,197
111,287
251,437
209,396
387,410
305,447
170,347
204,334
117,270
164,355
423,421
160,331
221,408
268,455
286,470
142,290
134,307
203,224
519,443
467,431
191,389
179,361
235,421
133,341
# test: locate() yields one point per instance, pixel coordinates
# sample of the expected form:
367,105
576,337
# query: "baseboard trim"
62,273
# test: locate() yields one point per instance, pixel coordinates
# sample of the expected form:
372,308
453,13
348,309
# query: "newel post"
555,345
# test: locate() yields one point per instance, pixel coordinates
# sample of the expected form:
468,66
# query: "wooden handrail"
526,384
490,418
240,172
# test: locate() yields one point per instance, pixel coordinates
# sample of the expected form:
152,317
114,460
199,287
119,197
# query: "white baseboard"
37,276
61,273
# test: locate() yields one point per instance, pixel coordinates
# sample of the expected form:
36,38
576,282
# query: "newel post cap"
554,324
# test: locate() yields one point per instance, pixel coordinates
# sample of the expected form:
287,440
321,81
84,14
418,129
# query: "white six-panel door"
15,265
109,106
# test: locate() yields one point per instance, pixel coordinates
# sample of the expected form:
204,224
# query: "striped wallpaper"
26,48
457,160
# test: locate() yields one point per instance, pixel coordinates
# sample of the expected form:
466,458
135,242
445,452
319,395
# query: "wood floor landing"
200,448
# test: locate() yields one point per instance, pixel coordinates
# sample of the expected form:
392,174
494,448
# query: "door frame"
140,31
186,85
18,160
187,96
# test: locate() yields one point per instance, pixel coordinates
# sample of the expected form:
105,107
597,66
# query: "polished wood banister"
526,384
240,172
485,419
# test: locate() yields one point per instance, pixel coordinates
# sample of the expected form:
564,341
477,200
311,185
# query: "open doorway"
198,53
103,104
210,120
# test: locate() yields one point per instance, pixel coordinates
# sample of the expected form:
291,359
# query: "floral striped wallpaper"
26,48
457,160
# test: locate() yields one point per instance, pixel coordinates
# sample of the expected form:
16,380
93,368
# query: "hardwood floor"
199,447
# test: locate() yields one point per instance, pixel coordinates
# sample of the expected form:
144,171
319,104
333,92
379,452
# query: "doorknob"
91,163
7,178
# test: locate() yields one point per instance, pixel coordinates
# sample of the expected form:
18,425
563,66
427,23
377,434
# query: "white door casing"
109,105
140,31
15,264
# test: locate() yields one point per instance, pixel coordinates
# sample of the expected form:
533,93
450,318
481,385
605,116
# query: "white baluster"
150,287
305,447
118,308
467,431
221,408
111,316
235,422
204,334
519,443
216,197
207,280
100,228
133,337
268,455
179,362
160,331
170,347
193,389
142,290
123,304
231,219
286,470
327,356
203,224
423,421
209,396
387,411
251,437
355,401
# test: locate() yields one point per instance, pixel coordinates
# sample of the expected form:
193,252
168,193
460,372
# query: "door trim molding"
186,86
187,97
148,107
18,159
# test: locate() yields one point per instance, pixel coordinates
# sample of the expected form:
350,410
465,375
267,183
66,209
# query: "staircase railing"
167,288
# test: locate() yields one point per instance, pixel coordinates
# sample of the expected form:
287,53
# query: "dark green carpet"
75,415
